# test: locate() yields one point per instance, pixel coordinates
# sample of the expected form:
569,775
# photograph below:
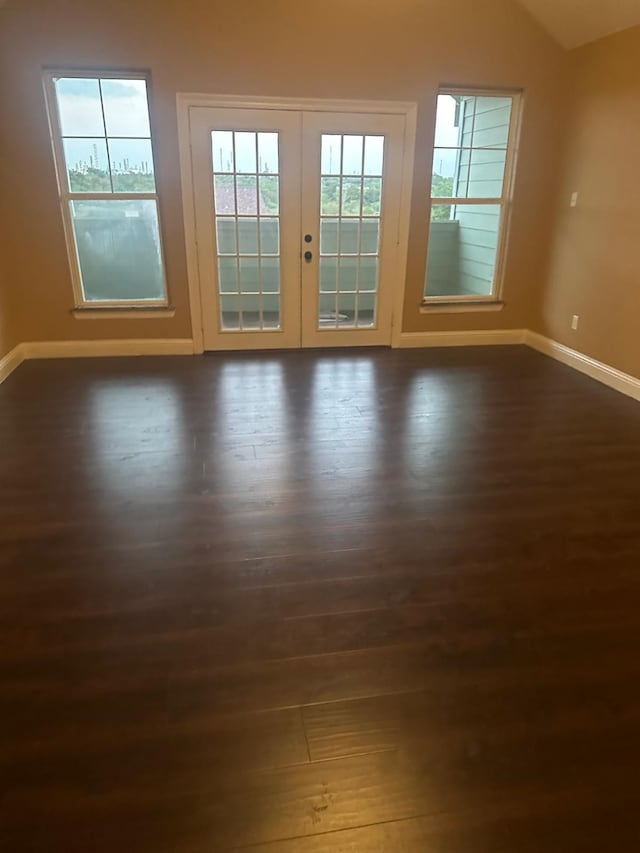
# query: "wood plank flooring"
348,601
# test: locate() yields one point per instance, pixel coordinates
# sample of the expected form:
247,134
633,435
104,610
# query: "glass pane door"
350,214
247,192
351,178
247,207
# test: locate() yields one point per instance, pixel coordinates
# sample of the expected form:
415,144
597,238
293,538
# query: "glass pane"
331,156
486,173
372,201
446,166
269,237
268,152
228,275
225,195
366,316
270,275
226,236
269,194
463,241
132,165
447,121
118,249
328,274
248,236
126,111
351,196
329,236
350,236
472,173
245,151
330,196
87,165
247,195
249,275
373,155
368,274
327,311
348,274
370,236
347,309
230,311
492,122
352,155
222,150
79,106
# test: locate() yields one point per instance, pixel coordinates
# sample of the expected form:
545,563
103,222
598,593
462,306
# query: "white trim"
10,361
460,308
624,383
66,196
186,101
251,102
598,370
122,313
478,337
82,349
406,191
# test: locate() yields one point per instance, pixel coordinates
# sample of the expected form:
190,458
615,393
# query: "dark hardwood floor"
336,601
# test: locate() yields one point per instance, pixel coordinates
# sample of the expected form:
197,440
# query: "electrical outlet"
574,199
575,322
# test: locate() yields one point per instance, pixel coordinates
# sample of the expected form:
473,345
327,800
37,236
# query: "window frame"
505,201
66,195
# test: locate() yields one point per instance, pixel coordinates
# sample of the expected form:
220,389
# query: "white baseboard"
616,379
489,337
10,361
88,349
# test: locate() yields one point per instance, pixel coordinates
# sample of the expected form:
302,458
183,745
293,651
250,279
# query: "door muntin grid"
351,179
246,188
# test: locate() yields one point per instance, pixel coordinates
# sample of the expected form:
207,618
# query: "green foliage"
97,181
371,200
441,188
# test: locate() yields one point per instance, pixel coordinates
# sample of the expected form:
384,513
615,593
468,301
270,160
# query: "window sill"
460,307
126,313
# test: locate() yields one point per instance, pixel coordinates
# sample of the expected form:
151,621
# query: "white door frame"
186,102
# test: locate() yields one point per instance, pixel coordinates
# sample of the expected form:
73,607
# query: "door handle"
308,256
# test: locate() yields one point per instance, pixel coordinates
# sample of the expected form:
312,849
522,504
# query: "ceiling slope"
576,22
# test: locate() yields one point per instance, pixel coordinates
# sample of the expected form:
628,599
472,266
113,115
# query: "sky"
126,114
123,109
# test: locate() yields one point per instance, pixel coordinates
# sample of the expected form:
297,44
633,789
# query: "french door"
297,219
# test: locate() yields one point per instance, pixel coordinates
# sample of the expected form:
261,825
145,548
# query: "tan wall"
335,49
8,337
595,257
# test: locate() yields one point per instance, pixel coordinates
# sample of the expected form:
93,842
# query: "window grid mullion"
106,138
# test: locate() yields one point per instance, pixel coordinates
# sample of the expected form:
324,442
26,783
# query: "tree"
441,188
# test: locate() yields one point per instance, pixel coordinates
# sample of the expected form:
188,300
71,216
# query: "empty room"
319,426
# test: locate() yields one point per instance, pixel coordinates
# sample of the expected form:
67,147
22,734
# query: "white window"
101,140
473,166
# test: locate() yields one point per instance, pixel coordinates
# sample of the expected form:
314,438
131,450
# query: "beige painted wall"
595,256
335,49
8,338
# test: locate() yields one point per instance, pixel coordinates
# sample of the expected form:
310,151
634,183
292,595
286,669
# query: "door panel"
297,218
351,206
247,189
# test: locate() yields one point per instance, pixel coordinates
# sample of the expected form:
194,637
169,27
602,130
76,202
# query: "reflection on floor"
319,601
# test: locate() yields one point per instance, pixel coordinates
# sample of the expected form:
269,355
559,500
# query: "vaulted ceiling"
576,22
